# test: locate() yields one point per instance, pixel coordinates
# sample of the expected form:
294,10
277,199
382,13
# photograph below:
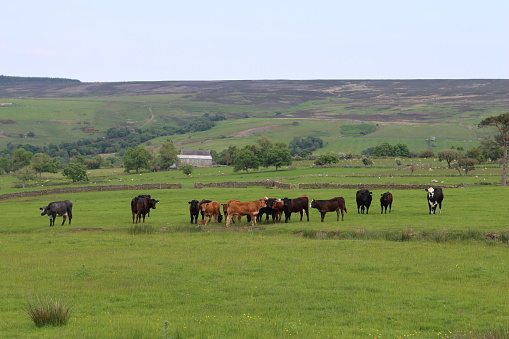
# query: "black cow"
269,210
194,211
332,205
386,200
435,197
363,198
204,201
300,205
58,209
140,206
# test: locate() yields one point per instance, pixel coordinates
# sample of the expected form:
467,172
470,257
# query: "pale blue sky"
96,41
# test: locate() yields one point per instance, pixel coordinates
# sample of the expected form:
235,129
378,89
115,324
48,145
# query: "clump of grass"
46,311
140,229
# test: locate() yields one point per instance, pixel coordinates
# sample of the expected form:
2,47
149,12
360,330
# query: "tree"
277,156
465,164
136,158
76,172
491,150
501,122
426,154
228,155
5,165
94,163
167,155
187,169
449,155
299,144
42,162
244,160
367,161
265,144
25,174
327,160
21,158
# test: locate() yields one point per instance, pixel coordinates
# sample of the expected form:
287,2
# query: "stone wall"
226,184
95,188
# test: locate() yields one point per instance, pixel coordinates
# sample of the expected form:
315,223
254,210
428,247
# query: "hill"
408,111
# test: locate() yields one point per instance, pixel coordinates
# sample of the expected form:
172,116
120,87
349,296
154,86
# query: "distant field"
406,111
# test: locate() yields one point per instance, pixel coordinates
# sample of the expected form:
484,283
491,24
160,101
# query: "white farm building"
197,158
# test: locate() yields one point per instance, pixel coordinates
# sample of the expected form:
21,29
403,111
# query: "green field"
395,275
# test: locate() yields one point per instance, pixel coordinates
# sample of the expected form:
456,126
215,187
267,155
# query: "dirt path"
150,119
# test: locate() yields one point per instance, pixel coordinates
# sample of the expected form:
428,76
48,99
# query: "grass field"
397,275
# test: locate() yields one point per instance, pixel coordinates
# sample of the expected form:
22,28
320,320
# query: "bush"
46,311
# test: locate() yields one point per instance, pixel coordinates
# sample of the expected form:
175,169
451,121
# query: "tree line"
264,152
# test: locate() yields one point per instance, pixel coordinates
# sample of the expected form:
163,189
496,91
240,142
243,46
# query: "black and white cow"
363,199
435,197
58,209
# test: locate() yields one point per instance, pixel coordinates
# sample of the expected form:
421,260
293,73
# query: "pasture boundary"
95,188
226,184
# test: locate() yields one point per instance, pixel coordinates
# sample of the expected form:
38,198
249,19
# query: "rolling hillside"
407,111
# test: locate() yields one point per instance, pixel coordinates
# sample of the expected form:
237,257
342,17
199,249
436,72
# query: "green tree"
244,160
277,156
94,163
327,159
21,158
167,155
187,169
228,155
5,165
265,144
42,162
449,155
25,174
75,171
137,158
501,122
367,161
491,150
465,164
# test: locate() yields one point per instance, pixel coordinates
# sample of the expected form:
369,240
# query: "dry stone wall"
95,188
227,184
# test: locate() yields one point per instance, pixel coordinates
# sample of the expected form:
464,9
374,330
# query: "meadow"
395,275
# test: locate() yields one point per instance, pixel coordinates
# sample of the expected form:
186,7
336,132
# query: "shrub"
46,311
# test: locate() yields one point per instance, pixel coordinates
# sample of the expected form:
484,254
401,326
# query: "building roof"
194,152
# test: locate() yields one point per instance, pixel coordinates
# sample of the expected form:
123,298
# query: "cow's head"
44,210
431,192
152,203
263,202
286,202
194,204
269,203
312,204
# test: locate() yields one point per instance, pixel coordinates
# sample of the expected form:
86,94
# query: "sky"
110,40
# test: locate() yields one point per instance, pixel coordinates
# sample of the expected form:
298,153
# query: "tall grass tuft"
46,311
140,229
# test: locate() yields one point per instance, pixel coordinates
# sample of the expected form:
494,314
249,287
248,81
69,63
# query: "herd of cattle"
234,210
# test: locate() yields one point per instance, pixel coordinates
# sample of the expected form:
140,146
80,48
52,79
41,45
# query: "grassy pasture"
359,278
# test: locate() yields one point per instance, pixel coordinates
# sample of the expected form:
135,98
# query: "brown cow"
333,205
386,200
140,206
211,209
250,208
